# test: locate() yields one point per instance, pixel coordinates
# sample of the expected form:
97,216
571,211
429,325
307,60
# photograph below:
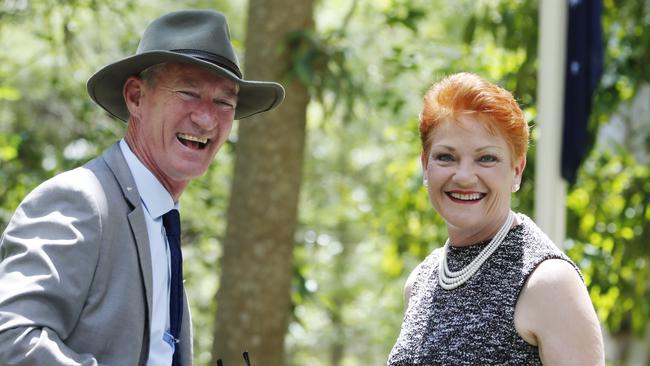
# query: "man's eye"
186,94
224,103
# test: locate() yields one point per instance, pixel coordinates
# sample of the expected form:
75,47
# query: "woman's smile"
465,197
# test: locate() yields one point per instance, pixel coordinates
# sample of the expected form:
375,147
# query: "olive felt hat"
199,37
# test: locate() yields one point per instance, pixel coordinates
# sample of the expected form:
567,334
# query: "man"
90,264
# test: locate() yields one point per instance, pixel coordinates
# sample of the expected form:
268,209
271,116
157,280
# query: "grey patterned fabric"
474,323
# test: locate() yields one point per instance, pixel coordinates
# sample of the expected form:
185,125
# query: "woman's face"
470,174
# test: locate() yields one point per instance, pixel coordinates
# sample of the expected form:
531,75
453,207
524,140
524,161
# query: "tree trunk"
253,301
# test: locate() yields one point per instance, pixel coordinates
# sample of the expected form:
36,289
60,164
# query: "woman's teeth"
465,197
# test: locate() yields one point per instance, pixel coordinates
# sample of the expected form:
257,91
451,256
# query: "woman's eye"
444,157
488,159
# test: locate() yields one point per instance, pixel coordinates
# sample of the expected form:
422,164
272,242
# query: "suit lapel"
116,162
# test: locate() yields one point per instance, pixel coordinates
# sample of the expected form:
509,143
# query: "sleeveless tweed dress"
474,323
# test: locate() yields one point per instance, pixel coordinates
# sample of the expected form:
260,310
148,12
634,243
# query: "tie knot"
172,223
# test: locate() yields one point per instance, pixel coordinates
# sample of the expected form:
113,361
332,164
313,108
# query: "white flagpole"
550,188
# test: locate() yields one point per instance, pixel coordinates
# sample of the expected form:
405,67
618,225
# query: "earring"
515,188
425,182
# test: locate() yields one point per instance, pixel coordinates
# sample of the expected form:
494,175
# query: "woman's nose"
465,175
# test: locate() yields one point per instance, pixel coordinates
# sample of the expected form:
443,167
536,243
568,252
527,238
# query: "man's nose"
204,114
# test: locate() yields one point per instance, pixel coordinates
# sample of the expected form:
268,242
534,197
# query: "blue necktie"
172,224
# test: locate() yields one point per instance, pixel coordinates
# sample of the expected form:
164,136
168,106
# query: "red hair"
467,93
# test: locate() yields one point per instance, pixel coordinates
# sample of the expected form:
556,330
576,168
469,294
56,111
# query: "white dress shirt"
156,202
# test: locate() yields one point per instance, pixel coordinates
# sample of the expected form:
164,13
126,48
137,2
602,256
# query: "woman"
499,292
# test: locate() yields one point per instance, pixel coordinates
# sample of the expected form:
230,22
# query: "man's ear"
132,93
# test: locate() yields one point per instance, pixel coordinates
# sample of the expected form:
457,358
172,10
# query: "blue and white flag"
584,67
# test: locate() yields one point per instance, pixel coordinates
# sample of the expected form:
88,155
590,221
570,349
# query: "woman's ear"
519,170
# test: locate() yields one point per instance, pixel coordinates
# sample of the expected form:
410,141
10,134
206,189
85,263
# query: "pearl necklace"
449,279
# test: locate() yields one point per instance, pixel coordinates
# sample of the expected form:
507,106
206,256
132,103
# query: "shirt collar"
157,201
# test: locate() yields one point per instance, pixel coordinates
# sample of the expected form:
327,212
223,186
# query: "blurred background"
299,238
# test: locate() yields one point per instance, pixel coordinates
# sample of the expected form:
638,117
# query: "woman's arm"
555,313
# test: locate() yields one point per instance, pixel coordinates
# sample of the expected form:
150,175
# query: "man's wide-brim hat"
199,37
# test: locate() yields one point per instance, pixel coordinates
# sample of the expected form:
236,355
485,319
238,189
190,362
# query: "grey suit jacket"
75,272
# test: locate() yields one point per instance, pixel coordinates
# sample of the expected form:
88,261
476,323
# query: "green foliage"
407,13
48,122
321,67
320,60
608,214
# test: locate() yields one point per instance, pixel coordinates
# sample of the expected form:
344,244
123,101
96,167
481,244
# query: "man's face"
179,120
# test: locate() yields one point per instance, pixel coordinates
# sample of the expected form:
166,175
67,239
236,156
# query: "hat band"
212,58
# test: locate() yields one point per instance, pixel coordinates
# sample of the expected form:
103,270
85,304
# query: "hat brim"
105,86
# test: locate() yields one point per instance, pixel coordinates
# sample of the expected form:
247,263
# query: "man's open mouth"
193,142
